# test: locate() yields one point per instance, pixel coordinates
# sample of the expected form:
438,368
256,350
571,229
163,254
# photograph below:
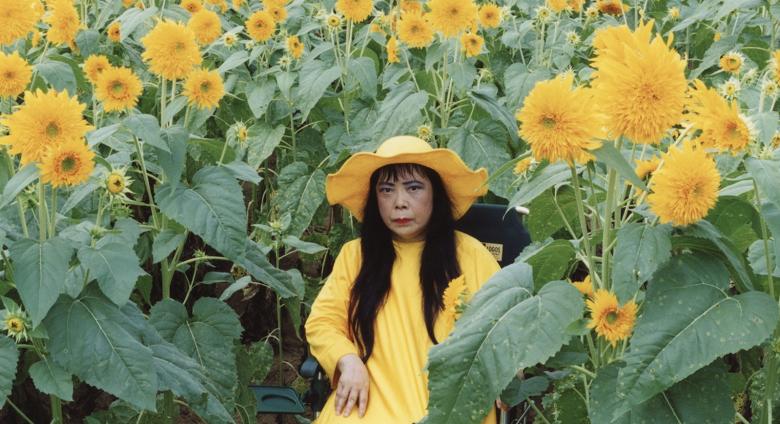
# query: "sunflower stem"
53,221
594,353
20,205
140,153
56,409
770,268
608,223
162,100
19,411
42,212
583,224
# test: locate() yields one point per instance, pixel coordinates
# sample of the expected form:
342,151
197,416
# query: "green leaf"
213,209
233,61
79,194
24,177
483,145
705,230
737,220
689,320
544,177
115,267
262,139
551,262
640,250
504,328
521,389
255,263
485,98
757,256
543,225
165,243
399,113
701,398
362,73
9,356
207,337
237,285
147,129
301,197
90,337
259,96
463,75
303,246
59,75
611,157
125,231
51,379
39,271
173,160
767,174
314,79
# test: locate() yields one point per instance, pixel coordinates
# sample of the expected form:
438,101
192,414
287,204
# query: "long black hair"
439,262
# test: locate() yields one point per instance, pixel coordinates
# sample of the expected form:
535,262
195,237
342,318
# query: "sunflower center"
52,130
454,11
179,46
68,164
549,122
117,87
205,86
611,317
9,75
15,324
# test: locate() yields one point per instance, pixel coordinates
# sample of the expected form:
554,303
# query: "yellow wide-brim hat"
349,186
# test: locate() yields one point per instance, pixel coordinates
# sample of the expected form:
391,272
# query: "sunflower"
260,25
775,143
543,14
241,132
294,46
560,123
114,32
355,10
612,7
686,187
276,10
425,132
414,30
730,88
731,62
67,164
611,321
453,298
237,4
192,6
575,5
592,12
15,74
203,88
43,121
572,38
471,44
392,50
333,21
16,323
674,13
117,183
127,3
36,38
118,89
63,22
523,165
557,6
451,17
585,286
17,19
645,167
775,65
206,26
171,50
769,88
640,84
94,66
229,39
490,15
721,123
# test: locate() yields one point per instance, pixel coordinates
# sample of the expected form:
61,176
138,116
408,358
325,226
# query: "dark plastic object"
319,389
277,400
501,230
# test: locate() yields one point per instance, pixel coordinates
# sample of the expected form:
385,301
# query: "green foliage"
640,251
9,356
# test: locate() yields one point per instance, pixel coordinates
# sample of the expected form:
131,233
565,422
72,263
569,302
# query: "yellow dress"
398,391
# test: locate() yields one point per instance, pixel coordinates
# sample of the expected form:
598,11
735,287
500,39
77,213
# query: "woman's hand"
352,386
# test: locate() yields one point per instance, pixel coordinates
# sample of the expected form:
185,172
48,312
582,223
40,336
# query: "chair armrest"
310,367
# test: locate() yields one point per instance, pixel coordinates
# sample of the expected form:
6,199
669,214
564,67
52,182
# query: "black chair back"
499,229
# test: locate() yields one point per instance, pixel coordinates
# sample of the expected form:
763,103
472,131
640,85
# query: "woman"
395,292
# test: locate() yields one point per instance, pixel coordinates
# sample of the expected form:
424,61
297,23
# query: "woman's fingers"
363,402
341,396
351,399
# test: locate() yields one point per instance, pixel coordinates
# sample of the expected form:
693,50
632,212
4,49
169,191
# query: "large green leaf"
259,96
766,173
255,263
115,267
90,337
213,208
362,73
736,260
207,337
688,320
9,356
543,225
737,220
21,179
485,98
314,79
482,145
505,328
39,271
147,129
301,197
701,398
399,112
611,157
262,139
51,379
544,178
640,250
551,262
174,162
59,75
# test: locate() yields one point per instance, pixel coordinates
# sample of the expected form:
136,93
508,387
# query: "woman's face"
405,205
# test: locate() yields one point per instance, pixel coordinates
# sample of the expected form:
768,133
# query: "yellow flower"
171,50
572,38
127,3
276,10
732,62
612,7
118,89
94,66
557,6
17,19
522,166
611,321
453,298
242,132
543,14
674,13
192,6
592,12
230,40
220,3
560,123
646,167
114,32
117,183
490,15
392,50
67,164
774,68
717,36
686,187
140,5
471,44
43,121
414,30
769,88
730,88
411,6
237,4
334,21
15,74
424,132
775,143
375,27
206,26
355,10
63,22
451,17
203,88
294,46
585,286
36,38
16,323
721,123
575,5
260,25
640,84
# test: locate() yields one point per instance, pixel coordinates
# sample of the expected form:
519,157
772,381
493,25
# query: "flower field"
164,225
